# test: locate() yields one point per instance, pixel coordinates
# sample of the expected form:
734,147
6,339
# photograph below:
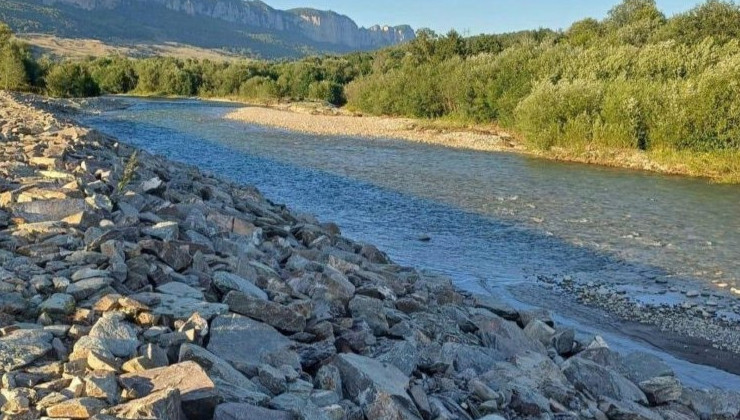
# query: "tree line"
636,79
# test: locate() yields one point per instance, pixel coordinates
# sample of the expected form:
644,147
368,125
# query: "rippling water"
494,218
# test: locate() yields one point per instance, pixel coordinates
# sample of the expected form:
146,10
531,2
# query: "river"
496,221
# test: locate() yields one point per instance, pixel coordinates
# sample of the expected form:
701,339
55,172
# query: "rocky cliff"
134,287
315,25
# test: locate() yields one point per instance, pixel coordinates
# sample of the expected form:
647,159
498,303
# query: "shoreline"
224,302
318,119
692,346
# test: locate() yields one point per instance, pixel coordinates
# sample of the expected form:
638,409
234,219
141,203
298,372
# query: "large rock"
371,311
598,380
662,389
227,282
48,210
85,288
272,313
627,410
58,304
232,411
166,231
463,357
381,390
531,371
504,337
497,306
246,343
115,335
197,391
640,366
160,405
23,347
714,404
231,385
77,408
184,308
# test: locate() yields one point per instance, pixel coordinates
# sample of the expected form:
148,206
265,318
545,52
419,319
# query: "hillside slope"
247,27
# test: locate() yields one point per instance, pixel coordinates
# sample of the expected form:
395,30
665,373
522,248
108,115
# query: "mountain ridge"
249,25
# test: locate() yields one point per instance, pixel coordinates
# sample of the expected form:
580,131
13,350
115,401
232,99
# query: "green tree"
714,18
584,32
13,74
630,12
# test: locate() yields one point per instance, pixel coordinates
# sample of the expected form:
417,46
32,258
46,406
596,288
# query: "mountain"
247,26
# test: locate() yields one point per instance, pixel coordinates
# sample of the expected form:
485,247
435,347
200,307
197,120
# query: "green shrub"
115,75
13,75
562,114
327,91
71,79
260,88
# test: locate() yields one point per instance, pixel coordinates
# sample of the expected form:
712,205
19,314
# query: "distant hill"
248,27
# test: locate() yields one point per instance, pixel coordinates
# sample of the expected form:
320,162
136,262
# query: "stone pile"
133,287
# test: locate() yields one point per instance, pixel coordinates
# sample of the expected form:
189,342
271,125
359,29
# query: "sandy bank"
313,119
340,123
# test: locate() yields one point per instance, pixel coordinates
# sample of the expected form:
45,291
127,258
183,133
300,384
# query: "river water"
496,221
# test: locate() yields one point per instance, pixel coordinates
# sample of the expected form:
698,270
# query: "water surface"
495,219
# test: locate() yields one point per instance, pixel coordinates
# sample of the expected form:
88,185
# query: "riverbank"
158,290
723,167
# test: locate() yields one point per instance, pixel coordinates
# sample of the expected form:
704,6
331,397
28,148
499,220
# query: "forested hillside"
634,80
247,27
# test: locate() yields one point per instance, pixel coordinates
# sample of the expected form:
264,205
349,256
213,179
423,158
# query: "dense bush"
634,80
70,79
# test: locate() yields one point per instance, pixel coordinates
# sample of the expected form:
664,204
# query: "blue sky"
473,16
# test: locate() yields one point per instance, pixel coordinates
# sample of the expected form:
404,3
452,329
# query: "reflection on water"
493,218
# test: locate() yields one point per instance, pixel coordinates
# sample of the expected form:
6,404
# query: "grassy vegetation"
635,89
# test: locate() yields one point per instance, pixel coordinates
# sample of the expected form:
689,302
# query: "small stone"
100,202
58,304
101,362
227,282
152,186
273,379
88,287
166,231
662,389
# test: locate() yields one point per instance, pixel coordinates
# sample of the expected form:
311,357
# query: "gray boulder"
661,389
232,411
115,335
246,344
160,405
381,390
714,404
227,282
23,347
598,380
231,385
197,391
272,313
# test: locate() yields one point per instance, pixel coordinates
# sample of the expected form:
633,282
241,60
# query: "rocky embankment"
134,287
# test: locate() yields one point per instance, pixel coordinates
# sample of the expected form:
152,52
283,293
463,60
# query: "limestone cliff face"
316,25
